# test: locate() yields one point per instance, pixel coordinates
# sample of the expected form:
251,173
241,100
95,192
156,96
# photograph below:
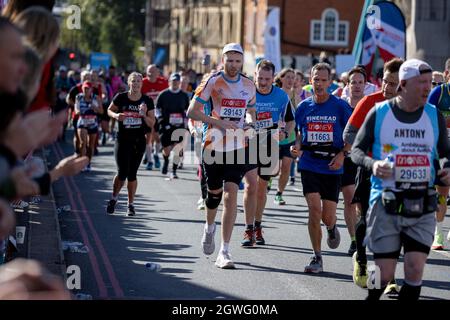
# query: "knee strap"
213,200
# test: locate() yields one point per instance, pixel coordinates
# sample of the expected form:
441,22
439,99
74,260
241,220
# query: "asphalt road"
167,231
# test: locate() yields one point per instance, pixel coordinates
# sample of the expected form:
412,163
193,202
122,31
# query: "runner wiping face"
232,62
264,80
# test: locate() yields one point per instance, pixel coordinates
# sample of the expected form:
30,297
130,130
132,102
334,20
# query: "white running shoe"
208,245
224,260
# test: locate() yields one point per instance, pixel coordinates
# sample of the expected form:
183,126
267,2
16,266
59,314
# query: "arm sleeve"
117,100
443,146
363,141
356,120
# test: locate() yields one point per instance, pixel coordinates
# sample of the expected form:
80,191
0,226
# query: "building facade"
199,30
307,28
428,30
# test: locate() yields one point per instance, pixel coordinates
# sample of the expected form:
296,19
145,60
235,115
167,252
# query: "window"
329,30
330,26
316,31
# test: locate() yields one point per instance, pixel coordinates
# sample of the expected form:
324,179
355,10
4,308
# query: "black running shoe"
111,206
131,211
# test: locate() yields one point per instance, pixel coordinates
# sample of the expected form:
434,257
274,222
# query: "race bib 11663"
320,132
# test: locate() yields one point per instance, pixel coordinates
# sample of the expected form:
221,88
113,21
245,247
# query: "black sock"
360,233
279,193
375,294
409,292
257,224
249,227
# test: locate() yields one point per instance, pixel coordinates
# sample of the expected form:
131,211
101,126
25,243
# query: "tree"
110,26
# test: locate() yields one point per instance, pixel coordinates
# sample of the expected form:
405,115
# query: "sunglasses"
436,83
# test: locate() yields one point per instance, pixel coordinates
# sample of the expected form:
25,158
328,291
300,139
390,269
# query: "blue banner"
100,60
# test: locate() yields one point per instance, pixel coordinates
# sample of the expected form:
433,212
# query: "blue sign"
100,60
160,56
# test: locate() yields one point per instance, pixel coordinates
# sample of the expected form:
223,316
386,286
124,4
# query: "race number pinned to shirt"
264,120
88,120
319,132
176,119
232,108
412,168
132,119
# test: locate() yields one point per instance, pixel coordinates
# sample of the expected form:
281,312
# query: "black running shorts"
327,185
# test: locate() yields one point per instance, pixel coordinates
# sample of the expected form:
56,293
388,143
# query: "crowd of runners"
384,148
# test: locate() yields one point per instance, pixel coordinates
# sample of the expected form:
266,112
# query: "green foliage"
110,26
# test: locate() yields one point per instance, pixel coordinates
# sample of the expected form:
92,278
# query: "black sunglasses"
436,83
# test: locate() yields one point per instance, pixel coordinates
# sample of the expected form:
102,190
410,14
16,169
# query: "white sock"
209,228
130,204
115,198
439,227
225,246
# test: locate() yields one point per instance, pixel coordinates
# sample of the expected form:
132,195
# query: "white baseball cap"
232,47
413,68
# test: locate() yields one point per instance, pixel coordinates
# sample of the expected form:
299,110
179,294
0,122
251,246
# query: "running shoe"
149,166
292,181
145,161
111,206
157,162
438,243
180,165
359,272
352,248
259,236
279,200
174,175
334,237
249,238
315,265
201,206
131,212
392,289
224,260
208,245
20,204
